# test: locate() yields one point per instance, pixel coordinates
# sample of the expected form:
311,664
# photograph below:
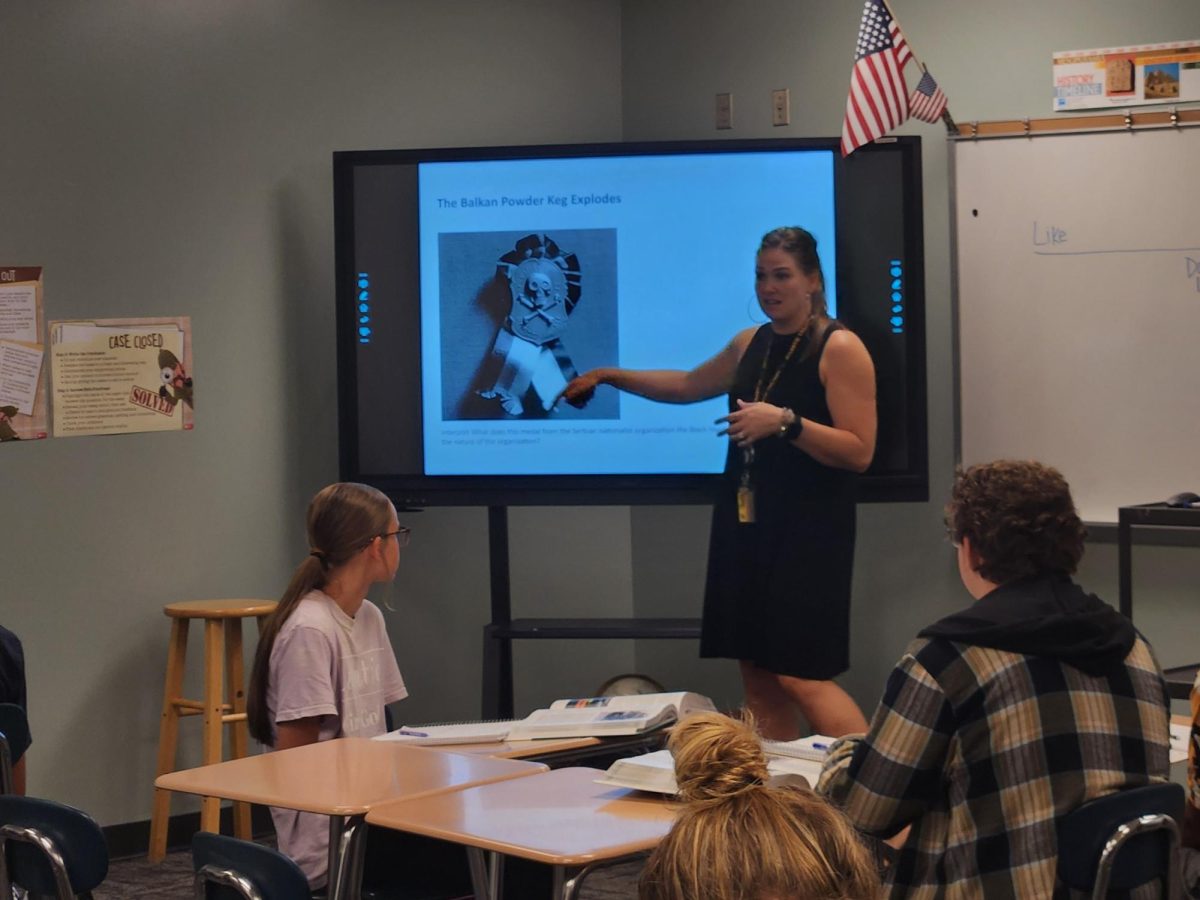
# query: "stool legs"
214,671
239,737
222,666
168,736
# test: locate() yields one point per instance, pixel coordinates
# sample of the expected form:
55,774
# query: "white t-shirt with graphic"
342,668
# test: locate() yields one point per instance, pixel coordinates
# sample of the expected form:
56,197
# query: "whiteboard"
1077,292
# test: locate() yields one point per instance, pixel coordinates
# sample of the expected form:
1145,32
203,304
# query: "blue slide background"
687,231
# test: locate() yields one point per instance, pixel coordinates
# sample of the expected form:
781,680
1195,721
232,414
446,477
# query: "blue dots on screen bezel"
896,298
363,327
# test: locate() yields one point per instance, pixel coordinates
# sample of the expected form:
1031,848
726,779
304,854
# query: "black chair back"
7,781
14,741
1121,841
49,848
231,869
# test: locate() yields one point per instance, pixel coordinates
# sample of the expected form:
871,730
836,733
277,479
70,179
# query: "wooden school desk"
343,779
561,818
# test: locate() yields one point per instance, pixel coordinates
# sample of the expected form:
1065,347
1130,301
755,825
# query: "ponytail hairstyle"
738,838
801,246
343,519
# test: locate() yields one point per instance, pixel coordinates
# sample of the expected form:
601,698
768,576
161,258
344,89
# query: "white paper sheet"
20,368
18,313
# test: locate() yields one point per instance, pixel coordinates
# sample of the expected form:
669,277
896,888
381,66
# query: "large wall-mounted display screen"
473,283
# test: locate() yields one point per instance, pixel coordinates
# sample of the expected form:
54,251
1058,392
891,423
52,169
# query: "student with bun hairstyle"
738,838
324,667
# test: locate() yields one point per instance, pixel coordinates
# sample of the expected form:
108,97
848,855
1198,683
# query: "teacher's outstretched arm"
709,379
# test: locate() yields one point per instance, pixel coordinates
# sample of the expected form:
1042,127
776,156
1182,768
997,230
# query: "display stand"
1153,515
499,634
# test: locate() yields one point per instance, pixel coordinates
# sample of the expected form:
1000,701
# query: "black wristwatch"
792,430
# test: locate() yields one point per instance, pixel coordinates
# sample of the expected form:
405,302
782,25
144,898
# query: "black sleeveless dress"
778,590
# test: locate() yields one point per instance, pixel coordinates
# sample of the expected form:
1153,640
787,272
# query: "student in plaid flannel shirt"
1190,854
1001,718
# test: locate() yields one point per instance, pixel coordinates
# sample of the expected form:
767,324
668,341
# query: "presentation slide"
534,270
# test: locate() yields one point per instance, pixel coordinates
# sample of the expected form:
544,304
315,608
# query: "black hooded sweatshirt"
1044,615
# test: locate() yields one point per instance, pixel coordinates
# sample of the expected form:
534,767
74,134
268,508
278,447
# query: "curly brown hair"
1019,518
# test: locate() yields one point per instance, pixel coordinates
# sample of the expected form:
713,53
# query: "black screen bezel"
416,490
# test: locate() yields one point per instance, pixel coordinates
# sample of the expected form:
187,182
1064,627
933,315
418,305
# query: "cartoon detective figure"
175,377
545,285
6,430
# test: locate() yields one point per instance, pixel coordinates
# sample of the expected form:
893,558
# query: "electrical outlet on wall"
724,111
780,107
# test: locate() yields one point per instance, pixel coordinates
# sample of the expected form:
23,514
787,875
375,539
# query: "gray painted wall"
994,63
173,158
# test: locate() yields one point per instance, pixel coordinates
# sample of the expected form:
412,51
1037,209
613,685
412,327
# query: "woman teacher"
801,426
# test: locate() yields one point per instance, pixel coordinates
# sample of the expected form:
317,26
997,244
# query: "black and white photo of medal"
545,284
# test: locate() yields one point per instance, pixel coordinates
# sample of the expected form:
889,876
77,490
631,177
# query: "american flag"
878,100
927,101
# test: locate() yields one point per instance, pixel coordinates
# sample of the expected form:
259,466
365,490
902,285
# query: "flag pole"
892,13
947,119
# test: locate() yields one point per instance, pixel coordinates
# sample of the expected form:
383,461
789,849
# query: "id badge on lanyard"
745,491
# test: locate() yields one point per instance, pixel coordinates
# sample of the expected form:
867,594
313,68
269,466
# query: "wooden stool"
222,658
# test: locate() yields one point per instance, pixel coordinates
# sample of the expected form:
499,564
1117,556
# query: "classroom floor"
171,879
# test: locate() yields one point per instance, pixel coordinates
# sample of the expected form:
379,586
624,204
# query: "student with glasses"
324,667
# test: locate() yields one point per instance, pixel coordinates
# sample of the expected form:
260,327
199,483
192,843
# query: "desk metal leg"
571,887
496,875
347,846
481,885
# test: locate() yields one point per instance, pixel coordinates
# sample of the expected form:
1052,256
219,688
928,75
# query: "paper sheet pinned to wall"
20,372
22,388
19,312
121,376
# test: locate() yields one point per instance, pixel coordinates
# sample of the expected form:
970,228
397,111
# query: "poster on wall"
120,376
1127,76
22,387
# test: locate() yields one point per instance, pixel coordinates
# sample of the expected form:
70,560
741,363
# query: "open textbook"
787,762
656,772
582,717
600,716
